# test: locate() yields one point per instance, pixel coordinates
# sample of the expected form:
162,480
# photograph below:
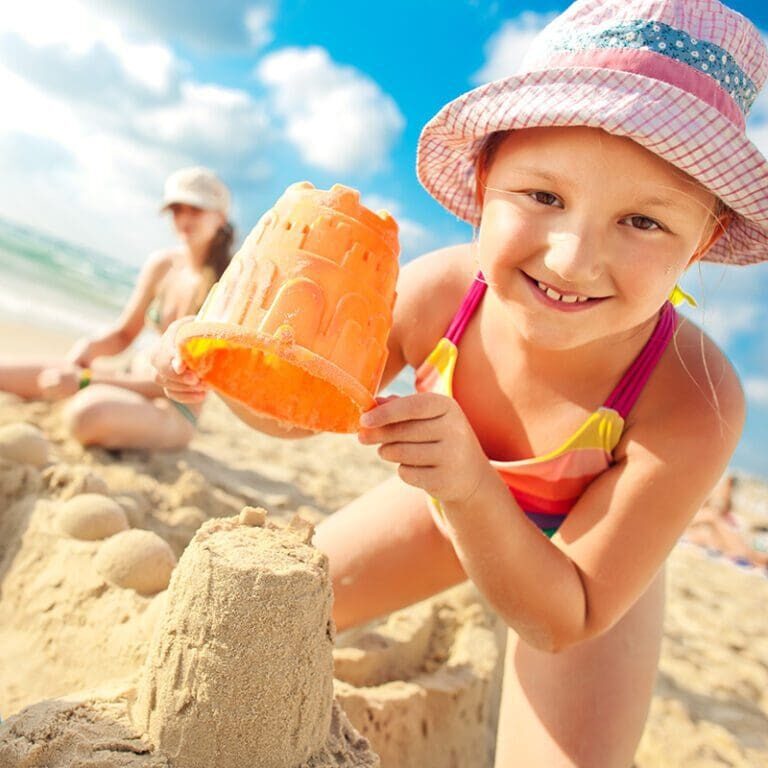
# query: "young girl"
567,423
126,408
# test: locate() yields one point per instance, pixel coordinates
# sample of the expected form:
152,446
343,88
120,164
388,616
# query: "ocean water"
52,284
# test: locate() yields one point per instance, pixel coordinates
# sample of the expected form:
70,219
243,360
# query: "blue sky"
103,98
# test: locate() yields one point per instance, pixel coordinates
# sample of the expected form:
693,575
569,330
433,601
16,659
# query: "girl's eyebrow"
663,202
553,177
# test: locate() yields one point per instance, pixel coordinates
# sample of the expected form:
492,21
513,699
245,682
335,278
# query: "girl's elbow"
551,637
561,632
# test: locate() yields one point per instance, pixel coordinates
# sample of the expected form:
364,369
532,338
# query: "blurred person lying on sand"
118,406
717,528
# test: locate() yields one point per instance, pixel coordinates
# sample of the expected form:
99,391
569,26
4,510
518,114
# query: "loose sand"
420,685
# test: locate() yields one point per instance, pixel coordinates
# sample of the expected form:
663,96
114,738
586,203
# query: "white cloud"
215,26
209,118
258,19
506,50
729,298
75,30
757,390
34,112
111,117
724,322
336,117
79,179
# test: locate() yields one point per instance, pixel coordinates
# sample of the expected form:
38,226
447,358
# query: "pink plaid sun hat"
676,76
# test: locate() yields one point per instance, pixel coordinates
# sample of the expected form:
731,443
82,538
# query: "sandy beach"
68,623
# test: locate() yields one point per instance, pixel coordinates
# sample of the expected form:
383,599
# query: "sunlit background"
101,99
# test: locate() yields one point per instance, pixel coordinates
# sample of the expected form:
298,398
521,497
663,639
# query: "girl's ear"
722,222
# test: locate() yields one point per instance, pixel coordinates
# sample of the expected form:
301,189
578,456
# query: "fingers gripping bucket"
297,327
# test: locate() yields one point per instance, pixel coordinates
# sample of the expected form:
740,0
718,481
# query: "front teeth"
570,298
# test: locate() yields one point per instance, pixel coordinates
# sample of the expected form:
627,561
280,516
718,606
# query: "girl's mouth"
568,302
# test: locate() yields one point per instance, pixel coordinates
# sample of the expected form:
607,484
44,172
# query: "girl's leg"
21,378
587,705
113,417
385,553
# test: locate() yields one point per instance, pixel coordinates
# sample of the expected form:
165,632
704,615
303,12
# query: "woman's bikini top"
547,487
154,314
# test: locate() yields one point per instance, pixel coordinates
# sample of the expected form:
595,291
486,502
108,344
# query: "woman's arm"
58,382
146,387
131,321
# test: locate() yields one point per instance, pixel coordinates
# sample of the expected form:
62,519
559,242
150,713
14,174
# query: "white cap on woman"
196,186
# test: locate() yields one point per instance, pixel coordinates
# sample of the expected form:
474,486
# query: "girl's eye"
546,198
643,222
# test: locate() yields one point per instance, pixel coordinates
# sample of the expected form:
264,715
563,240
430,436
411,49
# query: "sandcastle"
297,327
423,684
247,638
239,672
85,609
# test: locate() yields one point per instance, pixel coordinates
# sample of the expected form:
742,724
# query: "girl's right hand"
178,382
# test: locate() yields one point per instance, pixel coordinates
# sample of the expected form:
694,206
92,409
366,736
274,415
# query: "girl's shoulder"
694,395
429,292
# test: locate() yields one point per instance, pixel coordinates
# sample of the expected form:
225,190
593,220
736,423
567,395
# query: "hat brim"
668,121
193,200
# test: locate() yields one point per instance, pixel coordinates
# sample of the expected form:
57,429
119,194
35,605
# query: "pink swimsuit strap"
626,392
466,309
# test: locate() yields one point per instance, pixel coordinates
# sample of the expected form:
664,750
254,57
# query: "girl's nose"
573,257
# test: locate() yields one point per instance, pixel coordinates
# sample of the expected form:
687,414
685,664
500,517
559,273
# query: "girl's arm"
131,321
615,539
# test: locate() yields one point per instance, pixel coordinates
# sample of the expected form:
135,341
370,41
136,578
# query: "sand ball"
24,444
138,560
91,516
134,507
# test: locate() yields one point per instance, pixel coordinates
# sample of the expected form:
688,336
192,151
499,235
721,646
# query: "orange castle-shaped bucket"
296,329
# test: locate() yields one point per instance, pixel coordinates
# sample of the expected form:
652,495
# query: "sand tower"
240,671
297,326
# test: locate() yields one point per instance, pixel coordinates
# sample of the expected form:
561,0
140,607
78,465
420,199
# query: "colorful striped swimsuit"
547,487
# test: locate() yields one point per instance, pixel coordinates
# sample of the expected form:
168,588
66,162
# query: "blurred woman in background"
118,404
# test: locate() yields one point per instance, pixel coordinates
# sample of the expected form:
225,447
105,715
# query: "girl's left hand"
431,439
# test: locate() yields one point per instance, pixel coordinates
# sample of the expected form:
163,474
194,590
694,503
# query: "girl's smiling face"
584,234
